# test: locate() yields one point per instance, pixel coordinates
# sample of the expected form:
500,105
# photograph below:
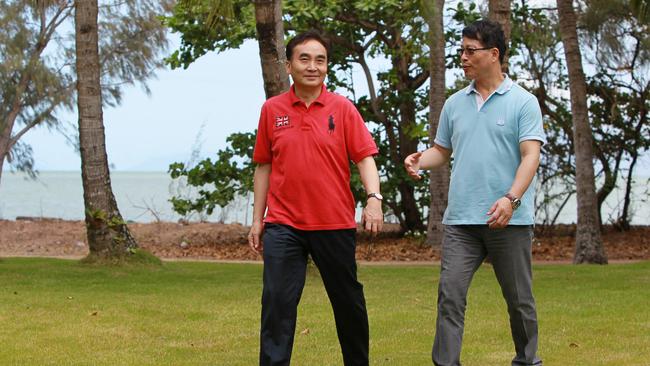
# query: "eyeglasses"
470,51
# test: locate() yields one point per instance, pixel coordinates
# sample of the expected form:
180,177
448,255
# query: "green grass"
59,312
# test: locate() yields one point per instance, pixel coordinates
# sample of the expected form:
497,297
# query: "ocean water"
140,196
144,197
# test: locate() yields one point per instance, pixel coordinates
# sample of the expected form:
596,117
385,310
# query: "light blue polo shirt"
485,143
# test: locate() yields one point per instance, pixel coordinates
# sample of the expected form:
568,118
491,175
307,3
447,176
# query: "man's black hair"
489,34
304,37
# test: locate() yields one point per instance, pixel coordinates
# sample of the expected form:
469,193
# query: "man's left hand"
372,218
501,213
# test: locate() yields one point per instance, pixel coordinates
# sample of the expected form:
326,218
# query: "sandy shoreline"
227,242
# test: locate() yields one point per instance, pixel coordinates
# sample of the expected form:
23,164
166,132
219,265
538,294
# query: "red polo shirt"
310,151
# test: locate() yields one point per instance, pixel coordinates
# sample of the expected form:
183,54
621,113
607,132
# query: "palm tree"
439,178
270,36
499,11
589,245
108,235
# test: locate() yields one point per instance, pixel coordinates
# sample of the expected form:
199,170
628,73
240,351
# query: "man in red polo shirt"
305,141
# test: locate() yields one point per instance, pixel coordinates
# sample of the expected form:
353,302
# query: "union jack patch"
282,121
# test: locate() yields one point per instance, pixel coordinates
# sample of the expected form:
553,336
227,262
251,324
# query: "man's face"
476,60
308,64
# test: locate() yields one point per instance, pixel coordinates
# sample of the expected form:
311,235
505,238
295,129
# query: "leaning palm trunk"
108,235
589,245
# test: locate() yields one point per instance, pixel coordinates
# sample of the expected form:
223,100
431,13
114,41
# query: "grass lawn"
58,312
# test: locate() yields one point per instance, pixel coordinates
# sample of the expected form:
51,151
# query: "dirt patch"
51,237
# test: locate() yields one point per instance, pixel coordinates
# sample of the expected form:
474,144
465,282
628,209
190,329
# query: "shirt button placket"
305,124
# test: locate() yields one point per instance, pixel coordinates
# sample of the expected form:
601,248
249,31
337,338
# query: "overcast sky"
223,91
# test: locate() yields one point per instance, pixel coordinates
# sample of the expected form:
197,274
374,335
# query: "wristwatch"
375,195
515,202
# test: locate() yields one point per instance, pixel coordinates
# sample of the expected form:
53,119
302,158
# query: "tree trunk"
407,142
412,216
589,246
270,36
611,176
412,219
4,153
499,11
108,235
624,220
439,178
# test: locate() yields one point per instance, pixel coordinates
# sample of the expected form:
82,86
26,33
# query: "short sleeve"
531,126
358,140
443,134
262,153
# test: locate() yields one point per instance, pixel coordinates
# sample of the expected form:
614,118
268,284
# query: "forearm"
434,157
369,175
525,174
260,189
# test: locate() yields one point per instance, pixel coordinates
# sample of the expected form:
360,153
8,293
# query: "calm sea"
144,197
140,196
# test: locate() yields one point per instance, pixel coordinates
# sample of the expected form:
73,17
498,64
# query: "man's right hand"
255,236
412,165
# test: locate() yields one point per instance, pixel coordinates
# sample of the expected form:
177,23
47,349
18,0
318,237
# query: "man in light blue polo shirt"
493,128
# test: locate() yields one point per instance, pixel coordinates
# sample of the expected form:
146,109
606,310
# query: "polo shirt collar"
322,98
503,88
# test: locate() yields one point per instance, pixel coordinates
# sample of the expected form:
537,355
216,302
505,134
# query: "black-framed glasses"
470,51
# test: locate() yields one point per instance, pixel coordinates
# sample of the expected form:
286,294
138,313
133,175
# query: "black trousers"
285,265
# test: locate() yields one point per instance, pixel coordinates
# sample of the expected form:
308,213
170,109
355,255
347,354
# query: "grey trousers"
464,248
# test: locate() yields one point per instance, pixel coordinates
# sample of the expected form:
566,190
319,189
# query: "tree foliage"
218,182
396,105
617,87
393,35
37,76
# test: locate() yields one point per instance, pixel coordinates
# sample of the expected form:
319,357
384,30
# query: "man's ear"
495,52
